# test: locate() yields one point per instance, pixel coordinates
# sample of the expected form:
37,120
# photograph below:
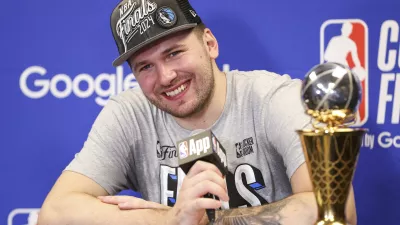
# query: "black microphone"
204,146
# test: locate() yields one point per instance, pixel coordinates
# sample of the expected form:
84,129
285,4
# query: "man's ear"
211,43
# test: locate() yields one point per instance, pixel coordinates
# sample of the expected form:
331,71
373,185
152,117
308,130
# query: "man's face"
176,74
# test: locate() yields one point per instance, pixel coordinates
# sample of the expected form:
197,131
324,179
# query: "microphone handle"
210,212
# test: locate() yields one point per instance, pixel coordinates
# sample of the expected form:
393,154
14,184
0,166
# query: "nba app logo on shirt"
346,42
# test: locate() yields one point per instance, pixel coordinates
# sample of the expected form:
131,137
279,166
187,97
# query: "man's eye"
174,53
148,66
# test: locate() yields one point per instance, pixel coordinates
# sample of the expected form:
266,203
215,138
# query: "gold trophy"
331,93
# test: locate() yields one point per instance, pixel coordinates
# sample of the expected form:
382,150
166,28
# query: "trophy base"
323,222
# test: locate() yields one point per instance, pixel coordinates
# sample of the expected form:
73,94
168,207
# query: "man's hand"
130,202
190,206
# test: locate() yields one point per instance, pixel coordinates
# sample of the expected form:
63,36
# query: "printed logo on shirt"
244,147
164,152
246,186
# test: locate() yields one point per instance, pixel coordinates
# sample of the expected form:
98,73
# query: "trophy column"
331,94
331,158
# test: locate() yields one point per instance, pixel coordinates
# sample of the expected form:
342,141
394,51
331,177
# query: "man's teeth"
176,91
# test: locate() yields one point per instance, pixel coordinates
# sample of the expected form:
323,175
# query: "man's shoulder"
134,95
260,75
131,99
254,74
263,81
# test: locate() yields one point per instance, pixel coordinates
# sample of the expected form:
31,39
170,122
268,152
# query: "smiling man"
131,145
186,88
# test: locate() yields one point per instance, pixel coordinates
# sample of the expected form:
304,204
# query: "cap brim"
122,58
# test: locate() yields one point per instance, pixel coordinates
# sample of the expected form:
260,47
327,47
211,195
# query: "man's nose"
166,75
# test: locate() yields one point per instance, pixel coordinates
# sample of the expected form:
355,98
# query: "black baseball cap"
137,23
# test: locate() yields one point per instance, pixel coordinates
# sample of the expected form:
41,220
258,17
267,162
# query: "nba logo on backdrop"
346,41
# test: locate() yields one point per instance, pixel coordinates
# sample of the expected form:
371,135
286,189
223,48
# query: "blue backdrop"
56,74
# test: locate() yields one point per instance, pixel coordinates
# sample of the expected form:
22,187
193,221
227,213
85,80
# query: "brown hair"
199,30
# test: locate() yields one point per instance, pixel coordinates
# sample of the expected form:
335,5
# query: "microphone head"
201,145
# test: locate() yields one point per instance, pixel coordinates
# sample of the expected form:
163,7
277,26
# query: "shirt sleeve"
105,154
284,114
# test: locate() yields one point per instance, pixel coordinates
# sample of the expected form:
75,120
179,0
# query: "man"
132,142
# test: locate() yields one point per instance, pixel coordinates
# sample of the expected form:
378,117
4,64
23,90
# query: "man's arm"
73,200
291,210
300,208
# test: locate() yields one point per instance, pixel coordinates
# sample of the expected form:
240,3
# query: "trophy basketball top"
331,93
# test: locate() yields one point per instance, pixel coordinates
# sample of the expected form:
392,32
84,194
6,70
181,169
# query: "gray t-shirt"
132,143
